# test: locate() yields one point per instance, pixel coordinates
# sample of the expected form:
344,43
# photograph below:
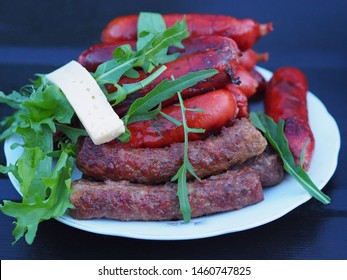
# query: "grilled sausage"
244,31
285,99
250,58
219,109
126,201
223,60
92,57
101,52
247,83
241,100
215,154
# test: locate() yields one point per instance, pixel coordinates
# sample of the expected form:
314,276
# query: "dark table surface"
39,36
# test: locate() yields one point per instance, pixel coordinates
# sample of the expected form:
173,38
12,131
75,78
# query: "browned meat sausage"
268,165
213,155
123,200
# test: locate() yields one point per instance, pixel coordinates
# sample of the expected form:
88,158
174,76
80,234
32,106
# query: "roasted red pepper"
244,31
285,99
219,109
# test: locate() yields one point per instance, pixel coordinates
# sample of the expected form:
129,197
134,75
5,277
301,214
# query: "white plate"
278,201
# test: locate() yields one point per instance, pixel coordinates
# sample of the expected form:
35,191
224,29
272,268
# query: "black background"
39,36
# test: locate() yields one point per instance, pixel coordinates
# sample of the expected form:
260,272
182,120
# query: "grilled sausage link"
285,99
96,54
218,109
244,31
250,58
113,161
126,201
223,60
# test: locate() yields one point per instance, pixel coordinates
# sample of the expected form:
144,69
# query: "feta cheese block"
89,102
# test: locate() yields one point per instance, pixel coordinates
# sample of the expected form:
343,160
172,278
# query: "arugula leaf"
148,57
152,30
275,135
126,89
181,175
148,25
142,108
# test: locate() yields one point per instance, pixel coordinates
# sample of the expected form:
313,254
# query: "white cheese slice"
89,102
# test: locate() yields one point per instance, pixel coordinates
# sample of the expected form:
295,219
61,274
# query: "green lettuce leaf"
44,187
51,202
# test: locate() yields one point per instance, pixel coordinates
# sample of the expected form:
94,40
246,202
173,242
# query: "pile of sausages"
216,42
225,45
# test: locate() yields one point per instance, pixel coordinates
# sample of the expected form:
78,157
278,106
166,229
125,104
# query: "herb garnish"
275,135
181,175
45,188
152,46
